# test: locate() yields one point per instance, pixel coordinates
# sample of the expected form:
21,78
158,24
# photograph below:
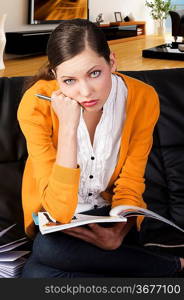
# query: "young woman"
88,150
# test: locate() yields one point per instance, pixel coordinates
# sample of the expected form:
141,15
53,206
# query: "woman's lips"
89,103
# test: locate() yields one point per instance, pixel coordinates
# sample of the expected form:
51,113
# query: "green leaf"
159,8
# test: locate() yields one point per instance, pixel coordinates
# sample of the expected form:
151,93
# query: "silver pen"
43,97
49,98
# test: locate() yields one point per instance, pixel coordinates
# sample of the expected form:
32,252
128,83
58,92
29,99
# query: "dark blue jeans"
60,255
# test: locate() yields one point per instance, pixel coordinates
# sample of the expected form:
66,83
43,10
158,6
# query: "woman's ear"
113,62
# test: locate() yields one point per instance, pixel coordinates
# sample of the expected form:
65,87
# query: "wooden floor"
128,55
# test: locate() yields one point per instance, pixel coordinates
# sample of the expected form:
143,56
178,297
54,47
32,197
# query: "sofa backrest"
13,154
164,174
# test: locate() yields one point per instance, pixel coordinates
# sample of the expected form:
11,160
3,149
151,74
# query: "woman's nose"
85,90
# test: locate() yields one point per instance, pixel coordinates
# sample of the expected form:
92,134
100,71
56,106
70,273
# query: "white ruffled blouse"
97,162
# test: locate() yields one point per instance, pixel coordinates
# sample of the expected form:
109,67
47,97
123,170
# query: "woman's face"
86,78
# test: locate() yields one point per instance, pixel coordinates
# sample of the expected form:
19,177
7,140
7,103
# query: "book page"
130,210
12,255
2,232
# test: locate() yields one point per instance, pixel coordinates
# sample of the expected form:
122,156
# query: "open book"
117,214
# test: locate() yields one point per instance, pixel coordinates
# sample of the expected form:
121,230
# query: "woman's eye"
95,74
69,81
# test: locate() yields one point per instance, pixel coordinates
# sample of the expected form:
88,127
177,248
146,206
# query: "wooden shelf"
139,24
126,39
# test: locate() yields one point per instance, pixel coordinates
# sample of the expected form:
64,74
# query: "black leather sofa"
164,172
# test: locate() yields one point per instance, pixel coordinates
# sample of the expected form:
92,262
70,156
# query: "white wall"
110,6
17,11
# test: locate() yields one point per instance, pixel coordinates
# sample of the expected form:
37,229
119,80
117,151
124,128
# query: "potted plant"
159,12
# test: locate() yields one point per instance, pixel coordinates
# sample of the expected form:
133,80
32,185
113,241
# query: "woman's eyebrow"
70,76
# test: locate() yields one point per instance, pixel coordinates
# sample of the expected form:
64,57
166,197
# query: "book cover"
47,224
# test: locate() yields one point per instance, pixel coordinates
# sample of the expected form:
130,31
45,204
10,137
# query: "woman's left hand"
104,238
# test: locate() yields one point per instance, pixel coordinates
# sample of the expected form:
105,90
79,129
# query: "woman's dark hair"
69,39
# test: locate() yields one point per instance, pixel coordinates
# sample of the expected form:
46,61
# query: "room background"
17,11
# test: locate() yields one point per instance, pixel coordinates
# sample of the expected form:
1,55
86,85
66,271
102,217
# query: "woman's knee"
50,247
43,247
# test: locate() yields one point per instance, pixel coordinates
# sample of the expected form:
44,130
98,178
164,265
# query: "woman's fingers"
67,110
81,232
56,94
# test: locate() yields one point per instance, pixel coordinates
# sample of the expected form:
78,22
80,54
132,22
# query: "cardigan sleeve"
130,185
56,186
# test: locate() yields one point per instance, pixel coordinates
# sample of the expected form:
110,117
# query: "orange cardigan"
49,186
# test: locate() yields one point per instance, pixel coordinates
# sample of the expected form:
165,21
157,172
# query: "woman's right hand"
67,110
